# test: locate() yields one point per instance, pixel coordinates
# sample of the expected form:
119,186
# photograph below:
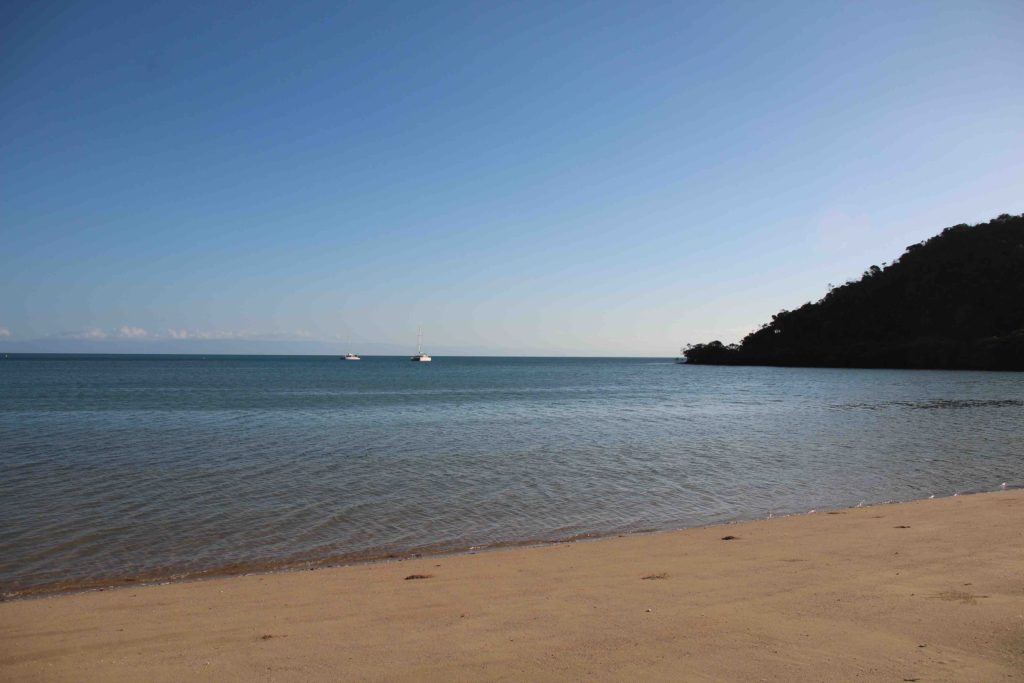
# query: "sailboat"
420,357
350,355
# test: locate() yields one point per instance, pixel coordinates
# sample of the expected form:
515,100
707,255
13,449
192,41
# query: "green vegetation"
953,301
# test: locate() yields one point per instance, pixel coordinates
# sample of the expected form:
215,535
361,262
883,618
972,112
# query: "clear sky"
527,178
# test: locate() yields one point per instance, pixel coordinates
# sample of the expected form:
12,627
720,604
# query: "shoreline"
930,589
377,556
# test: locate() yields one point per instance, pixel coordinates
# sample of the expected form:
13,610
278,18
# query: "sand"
930,590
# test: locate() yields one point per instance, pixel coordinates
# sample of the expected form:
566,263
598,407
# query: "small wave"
941,404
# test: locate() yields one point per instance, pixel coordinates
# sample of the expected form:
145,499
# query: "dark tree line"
953,301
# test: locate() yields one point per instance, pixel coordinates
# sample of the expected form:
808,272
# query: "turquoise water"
120,466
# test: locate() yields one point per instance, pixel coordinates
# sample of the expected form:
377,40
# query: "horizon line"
296,355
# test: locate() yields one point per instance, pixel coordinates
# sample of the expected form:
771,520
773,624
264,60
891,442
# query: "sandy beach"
929,590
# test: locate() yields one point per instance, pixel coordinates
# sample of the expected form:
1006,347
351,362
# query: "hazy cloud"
133,333
204,334
88,333
4,332
297,335
128,332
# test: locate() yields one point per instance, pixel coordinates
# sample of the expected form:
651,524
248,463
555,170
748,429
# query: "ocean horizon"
140,467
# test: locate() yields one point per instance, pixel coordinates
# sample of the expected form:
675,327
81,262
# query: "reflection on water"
118,466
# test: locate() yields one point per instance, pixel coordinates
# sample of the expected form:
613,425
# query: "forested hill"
953,301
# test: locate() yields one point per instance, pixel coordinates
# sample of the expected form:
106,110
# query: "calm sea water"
115,466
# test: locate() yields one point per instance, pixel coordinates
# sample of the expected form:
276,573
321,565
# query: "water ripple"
157,467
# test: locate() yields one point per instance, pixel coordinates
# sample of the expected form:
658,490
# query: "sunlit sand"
928,590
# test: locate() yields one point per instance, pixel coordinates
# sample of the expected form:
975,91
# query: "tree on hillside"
955,300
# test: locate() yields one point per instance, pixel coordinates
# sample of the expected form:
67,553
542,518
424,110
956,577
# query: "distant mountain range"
954,301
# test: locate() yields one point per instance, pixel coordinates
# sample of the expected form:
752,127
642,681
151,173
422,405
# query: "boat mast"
419,341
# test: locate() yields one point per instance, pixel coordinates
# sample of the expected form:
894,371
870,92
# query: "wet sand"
929,590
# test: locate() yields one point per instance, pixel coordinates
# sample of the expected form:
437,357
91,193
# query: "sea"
117,469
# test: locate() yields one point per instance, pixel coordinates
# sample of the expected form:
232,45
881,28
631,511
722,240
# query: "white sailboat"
420,357
350,355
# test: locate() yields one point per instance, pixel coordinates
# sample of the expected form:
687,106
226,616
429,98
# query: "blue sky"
525,178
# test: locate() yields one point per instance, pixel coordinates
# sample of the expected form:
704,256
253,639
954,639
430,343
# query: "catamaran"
420,357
